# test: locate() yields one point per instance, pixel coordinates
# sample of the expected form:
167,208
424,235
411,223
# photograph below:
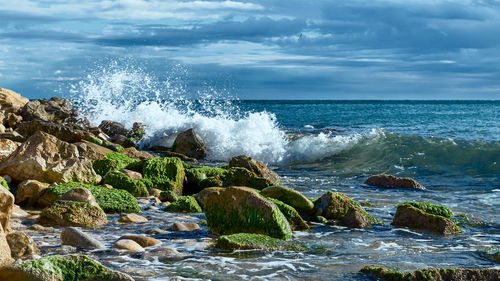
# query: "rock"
392,181
168,196
142,240
92,151
7,147
128,245
4,183
190,144
13,136
110,200
29,191
112,128
120,180
185,158
241,209
165,173
291,197
6,206
75,237
292,216
132,218
239,176
258,168
5,257
21,245
154,192
132,152
11,101
196,178
132,174
113,161
191,226
184,204
54,110
17,212
71,213
79,194
60,268
13,119
45,158
248,241
63,132
449,274
337,206
425,216
163,254
2,127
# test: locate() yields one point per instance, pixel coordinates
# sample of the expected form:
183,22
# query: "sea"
450,147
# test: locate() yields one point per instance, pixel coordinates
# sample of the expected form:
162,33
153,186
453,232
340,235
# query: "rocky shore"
61,174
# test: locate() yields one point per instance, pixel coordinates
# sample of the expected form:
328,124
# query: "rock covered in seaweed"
392,181
120,180
248,241
294,219
165,173
255,166
184,204
291,197
190,144
449,274
72,213
425,216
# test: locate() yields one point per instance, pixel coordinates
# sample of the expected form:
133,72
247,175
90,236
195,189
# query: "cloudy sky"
269,49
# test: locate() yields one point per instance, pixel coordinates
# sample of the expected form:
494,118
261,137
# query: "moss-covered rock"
165,173
71,213
450,274
184,204
60,268
168,196
110,200
425,216
292,216
4,183
114,161
196,178
338,206
241,209
291,197
255,166
120,180
238,176
247,241
318,219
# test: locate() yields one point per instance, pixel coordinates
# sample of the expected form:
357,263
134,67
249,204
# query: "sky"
270,49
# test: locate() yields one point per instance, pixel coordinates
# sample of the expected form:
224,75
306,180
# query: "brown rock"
13,119
12,135
45,158
91,150
132,218
6,205
79,194
7,147
154,192
142,240
54,110
132,152
71,213
75,237
5,257
163,254
338,206
191,226
409,216
392,181
132,174
11,101
258,168
190,144
112,128
17,212
2,127
63,132
29,191
21,245
128,245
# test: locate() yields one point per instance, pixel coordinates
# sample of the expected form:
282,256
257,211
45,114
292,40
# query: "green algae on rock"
165,173
71,213
60,268
168,196
238,176
293,217
196,178
450,274
120,180
291,197
184,204
109,199
4,183
425,216
255,166
114,161
241,209
248,241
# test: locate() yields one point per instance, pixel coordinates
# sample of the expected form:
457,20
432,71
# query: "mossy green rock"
120,180
60,268
114,161
165,173
293,217
338,206
450,274
168,196
247,241
410,215
291,197
71,213
238,176
196,178
109,199
184,204
4,183
241,209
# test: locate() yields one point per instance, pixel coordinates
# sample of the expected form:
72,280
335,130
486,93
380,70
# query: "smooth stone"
29,191
144,241
132,218
128,245
132,174
154,192
163,254
191,226
21,245
75,237
79,194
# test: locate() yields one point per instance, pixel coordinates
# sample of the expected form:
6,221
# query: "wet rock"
29,191
257,167
128,245
132,174
239,176
114,161
196,178
392,181
247,241
79,194
291,197
6,206
17,212
45,158
120,180
184,204
425,216
54,110
142,240
21,245
165,173
294,219
163,254
185,158
449,274
38,227
242,209
71,213
112,128
61,131
132,152
11,102
190,144
337,206
75,237
191,226
60,268
132,218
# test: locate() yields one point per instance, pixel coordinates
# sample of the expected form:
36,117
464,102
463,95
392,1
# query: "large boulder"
430,217
292,216
241,209
392,181
132,152
291,197
239,176
54,110
45,158
112,128
63,132
338,206
21,245
7,147
29,191
258,168
61,268
92,151
199,178
448,274
10,102
165,173
190,144
184,204
120,180
248,241
72,213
